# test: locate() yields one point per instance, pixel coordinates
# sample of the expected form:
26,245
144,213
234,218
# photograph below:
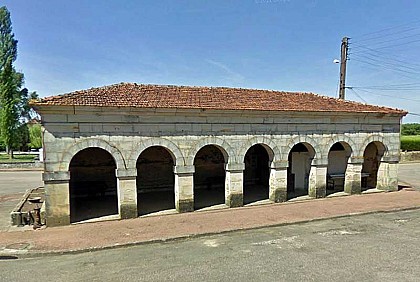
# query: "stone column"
278,181
57,197
127,193
353,178
318,178
184,188
234,185
388,174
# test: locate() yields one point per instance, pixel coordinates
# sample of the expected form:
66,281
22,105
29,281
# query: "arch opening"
300,160
209,177
372,157
155,180
93,185
256,174
338,157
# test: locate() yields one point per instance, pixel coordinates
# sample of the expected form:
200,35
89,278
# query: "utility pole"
343,65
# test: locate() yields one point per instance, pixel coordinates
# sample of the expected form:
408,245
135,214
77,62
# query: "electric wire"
387,29
409,69
357,94
383,56
381,67
390,40
392,96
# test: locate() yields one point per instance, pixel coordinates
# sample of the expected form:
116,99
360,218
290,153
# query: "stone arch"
225,148
346,141
373,138
171,147
373,151
72,150
272,150
301,139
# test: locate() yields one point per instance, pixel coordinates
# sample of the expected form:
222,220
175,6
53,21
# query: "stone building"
126,150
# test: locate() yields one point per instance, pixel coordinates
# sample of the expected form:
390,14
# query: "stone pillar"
278,181
388,174
127,193
234,185
57,197
184,188
318,178
353,179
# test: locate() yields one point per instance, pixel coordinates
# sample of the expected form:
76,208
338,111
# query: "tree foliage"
410,129
9,114
14,107
35,136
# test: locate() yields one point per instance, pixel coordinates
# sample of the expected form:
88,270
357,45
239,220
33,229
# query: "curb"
28,254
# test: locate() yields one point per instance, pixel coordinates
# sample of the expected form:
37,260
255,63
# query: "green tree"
11,102
35,136
9,115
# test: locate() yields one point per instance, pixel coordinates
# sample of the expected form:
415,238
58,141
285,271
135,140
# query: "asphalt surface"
409,173
374,247
13,185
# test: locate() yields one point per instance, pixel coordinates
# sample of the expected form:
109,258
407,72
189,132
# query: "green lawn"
410,143
4,158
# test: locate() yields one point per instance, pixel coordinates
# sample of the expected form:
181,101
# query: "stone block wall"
125,134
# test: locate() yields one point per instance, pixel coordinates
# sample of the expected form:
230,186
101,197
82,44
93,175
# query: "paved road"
13,185
410,173
375,247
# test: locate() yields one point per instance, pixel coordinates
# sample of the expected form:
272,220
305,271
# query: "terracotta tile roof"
219,98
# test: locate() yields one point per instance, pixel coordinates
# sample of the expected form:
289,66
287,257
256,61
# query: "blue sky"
268,44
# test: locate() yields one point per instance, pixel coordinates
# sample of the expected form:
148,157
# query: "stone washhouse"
129,150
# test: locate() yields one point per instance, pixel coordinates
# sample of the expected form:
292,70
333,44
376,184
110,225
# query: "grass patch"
4,158
410,143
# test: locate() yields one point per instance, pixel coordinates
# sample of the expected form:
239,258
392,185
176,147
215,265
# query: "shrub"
410,129
410,143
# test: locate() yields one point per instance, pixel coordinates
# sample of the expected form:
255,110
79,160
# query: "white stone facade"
125,134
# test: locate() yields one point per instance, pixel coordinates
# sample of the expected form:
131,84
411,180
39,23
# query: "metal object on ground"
37,211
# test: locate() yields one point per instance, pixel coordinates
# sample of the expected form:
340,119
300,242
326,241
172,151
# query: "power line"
389,28
390,35
387,89
392,96
396,45
392,85
385,67
382,55
412,70
357,94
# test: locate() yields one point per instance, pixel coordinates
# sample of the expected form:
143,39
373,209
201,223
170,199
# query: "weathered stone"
128,211
186,205
126,133
235,200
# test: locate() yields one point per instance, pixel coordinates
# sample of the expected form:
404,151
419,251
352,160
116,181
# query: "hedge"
410,143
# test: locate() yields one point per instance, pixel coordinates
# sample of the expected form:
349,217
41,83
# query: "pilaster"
278,181
353,179
127,193
234,185
57,197
318,178
388,176
184,188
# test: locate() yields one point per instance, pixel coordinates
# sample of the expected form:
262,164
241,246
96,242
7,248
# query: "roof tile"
218,98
